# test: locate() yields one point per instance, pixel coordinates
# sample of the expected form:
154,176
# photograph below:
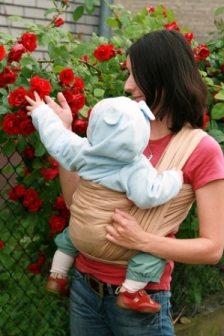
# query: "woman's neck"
159,129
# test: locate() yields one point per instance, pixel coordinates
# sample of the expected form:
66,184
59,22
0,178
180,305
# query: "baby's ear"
146,110
112,114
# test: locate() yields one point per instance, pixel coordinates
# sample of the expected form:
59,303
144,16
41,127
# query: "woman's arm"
207,249
69,182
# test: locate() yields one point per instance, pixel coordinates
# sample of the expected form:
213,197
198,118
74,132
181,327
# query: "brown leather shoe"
57,285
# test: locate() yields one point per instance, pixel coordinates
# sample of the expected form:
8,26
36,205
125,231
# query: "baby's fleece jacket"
106,160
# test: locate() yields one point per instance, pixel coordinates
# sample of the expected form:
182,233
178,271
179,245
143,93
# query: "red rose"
17,97
11,124
26,127
203,52
189,37
1,245
79,126
52,162
74,111
123,65
65,213
57,223
41,86
205,122
21,114
78,85
29,152
26,171
16,192
29,40
49,173
104,52
60,203
88,113
78,101
16,53
84,58
119,51
2,52
41,259
68,95
66,76
59,22
164,11
171,26
150,9
34,268
31,200
7,77
222,68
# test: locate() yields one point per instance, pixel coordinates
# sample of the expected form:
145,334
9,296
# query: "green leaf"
39,149
27,73
30,178
84,111
37,164
15,18
112,23
89,6
217,135
217,111
49,11
151,22
220,95
27,60
45,39
58,68
98,93
218,11
9,148
78,13
133,31
3,110
96,2
64,52
3,92
85,48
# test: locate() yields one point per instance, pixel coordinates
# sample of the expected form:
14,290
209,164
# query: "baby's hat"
119,128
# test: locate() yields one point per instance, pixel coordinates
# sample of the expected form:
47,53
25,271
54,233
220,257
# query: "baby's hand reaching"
33,103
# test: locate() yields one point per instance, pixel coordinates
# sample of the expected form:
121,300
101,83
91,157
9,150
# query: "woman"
162,71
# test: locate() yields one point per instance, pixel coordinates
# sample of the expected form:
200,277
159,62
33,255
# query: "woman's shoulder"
205,164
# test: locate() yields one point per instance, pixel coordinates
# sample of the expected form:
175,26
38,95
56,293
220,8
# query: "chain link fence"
25,307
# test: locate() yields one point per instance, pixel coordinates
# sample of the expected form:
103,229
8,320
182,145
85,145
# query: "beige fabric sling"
94,204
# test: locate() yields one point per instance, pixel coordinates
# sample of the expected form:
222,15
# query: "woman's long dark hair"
165,70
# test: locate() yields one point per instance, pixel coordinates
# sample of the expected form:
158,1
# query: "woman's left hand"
125,231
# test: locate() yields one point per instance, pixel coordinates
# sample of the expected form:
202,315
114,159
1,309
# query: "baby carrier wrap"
97,203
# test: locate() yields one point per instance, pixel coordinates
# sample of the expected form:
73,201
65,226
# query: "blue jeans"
91,315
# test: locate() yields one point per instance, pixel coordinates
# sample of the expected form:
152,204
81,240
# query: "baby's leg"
58,283
142,268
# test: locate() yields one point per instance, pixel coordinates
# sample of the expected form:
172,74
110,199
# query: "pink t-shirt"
206,164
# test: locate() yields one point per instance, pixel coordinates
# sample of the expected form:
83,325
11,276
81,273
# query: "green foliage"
26,232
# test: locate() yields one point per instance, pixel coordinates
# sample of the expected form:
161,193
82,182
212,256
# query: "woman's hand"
125,231
62,109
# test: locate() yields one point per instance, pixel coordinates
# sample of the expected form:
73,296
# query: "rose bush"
34,211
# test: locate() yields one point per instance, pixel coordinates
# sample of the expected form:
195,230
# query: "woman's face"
131,86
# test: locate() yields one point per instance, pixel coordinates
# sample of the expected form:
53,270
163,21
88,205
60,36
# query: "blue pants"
142,267
91,315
